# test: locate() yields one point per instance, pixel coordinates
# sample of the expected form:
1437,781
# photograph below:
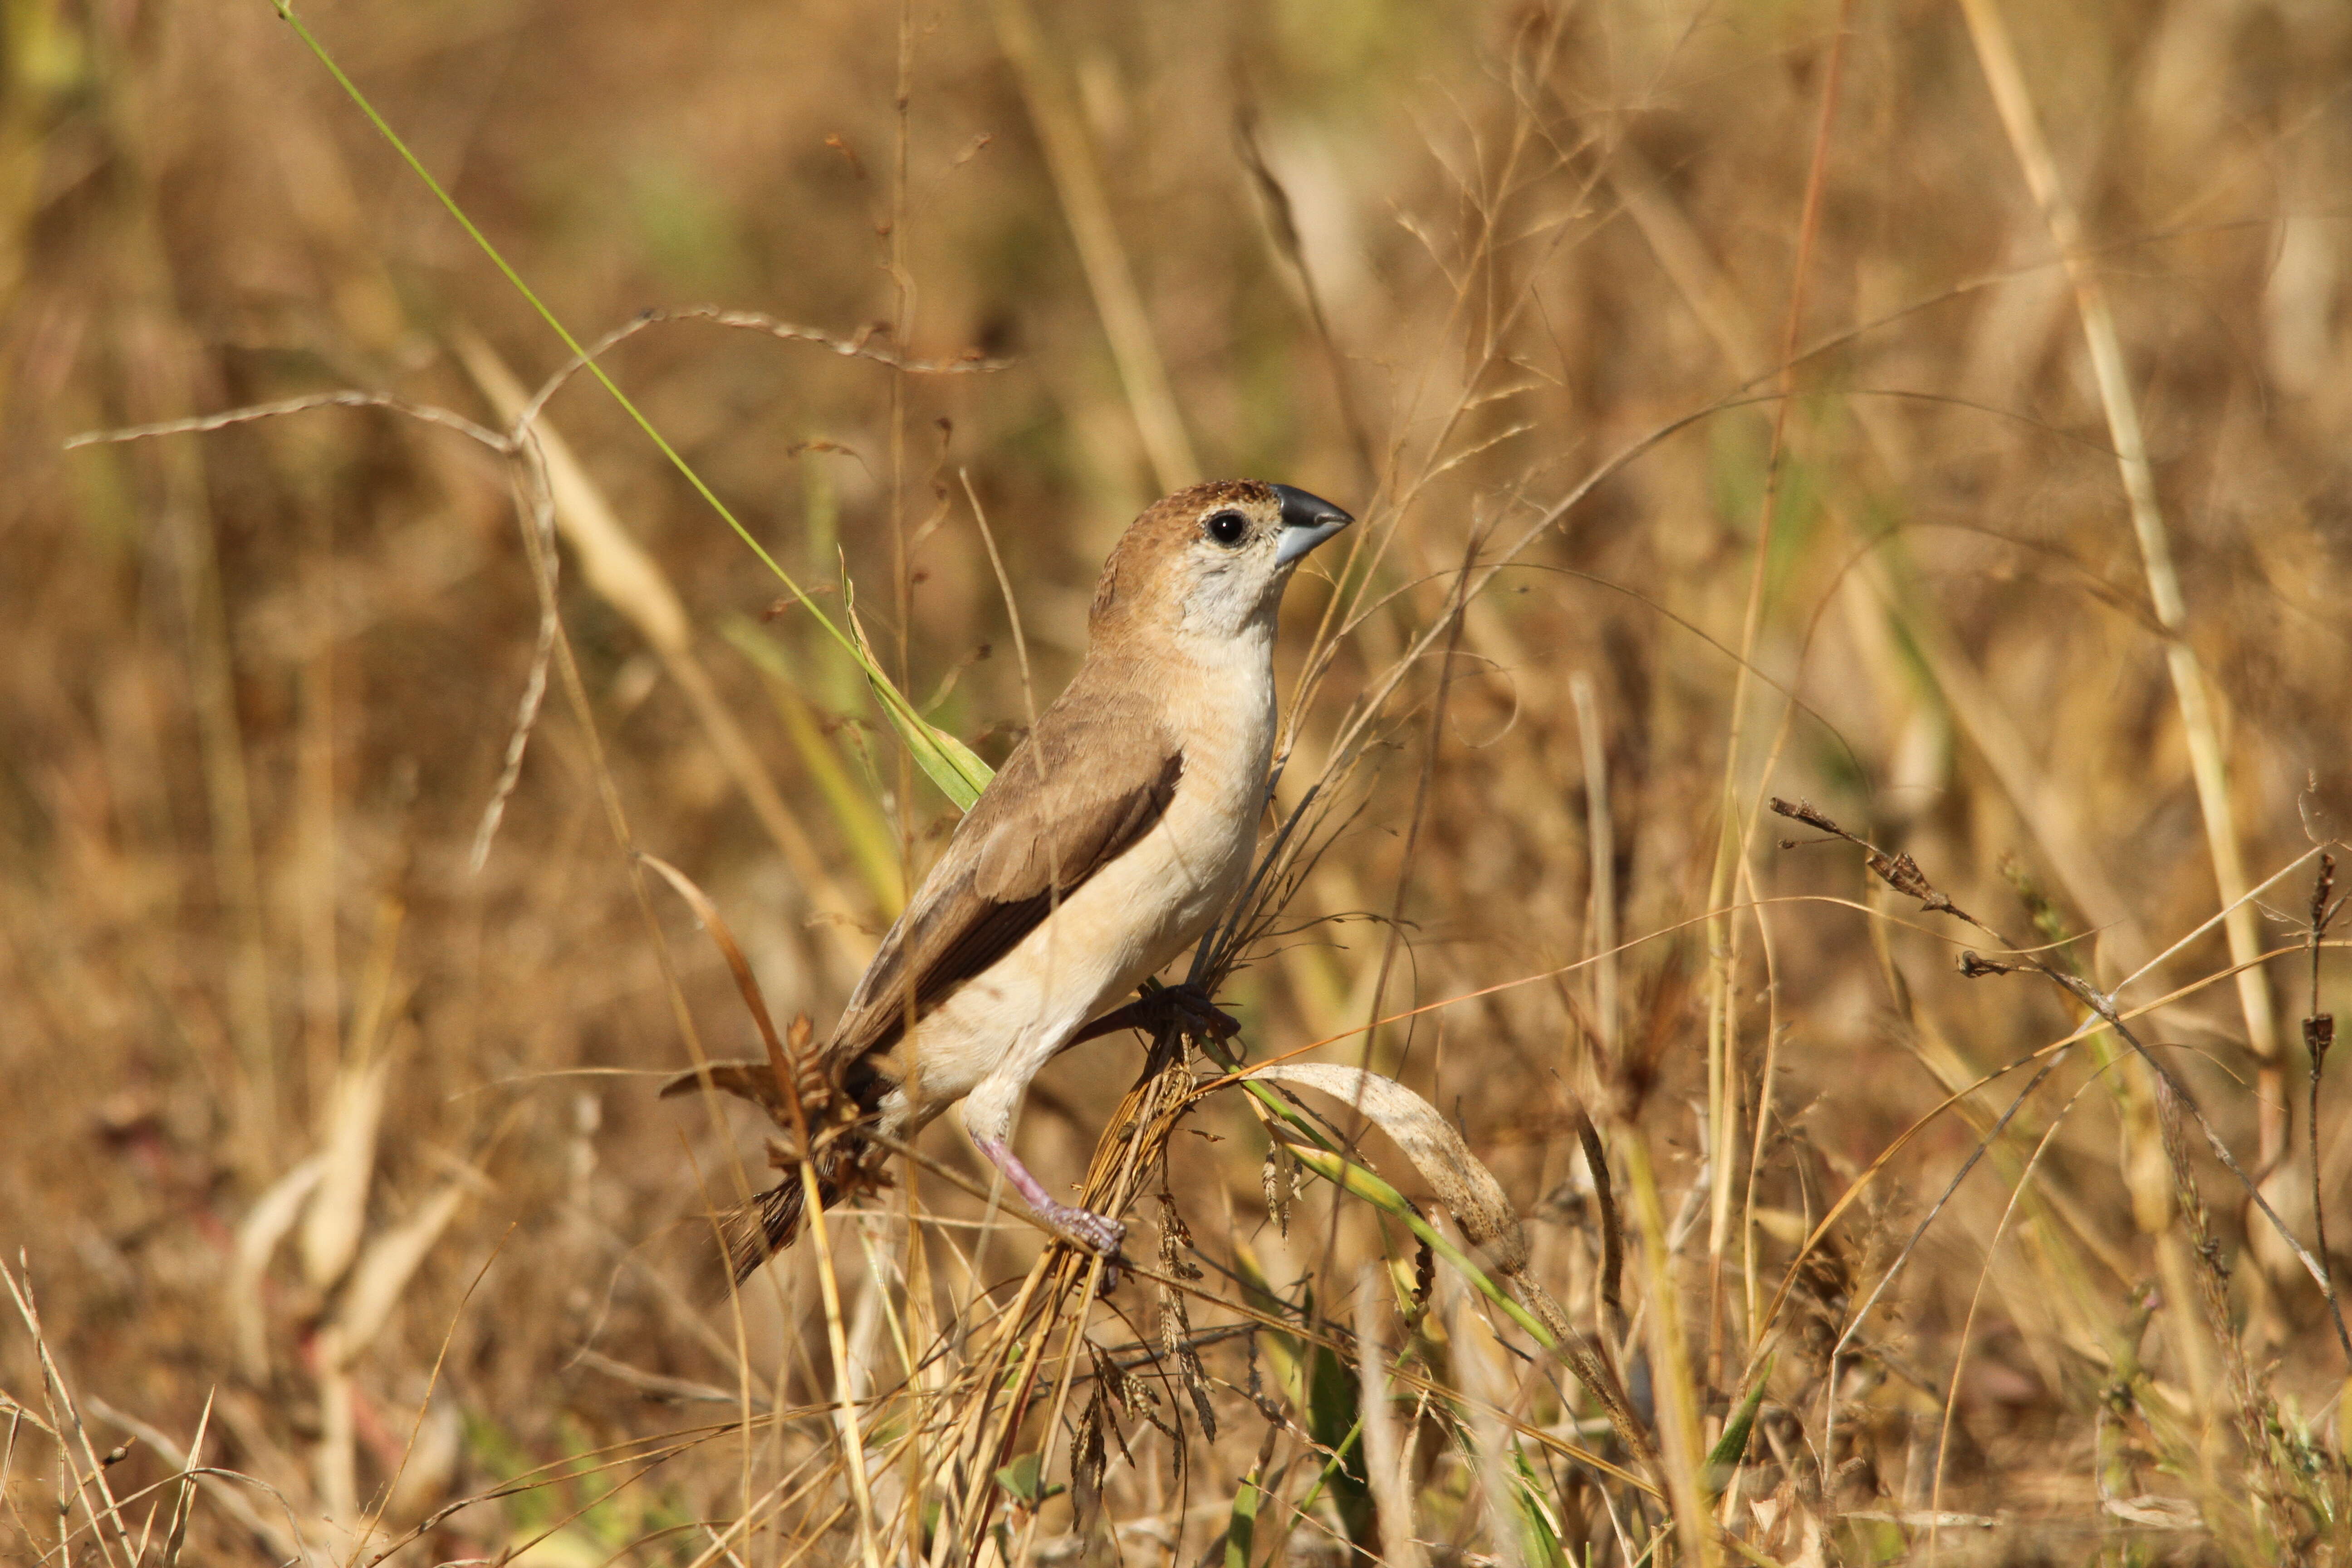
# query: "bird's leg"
1187,1005
1098,1234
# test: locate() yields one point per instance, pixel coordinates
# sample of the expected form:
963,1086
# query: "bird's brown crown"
1207,544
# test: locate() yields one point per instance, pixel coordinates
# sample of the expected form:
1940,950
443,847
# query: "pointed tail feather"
751,1233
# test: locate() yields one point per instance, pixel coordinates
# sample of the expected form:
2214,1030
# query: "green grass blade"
1241,1523
955,768
1723,1459
946,761
1358,1182
1351,1491
1539,1527
863,827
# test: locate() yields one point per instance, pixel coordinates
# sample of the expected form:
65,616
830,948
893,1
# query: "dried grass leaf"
264,1226
337,1216
384,1269
754,1081
1462,1183
1279,1176
1089,1459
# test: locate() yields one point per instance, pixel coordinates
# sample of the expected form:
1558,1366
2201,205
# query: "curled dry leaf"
754,1081
258,1236
333,1223
1462,1183
729,949
384,1269
1466,1186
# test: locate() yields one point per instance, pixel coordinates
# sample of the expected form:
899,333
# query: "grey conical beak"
1306,521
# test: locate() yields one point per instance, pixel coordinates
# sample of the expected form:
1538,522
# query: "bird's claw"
1097,1234
1199,1013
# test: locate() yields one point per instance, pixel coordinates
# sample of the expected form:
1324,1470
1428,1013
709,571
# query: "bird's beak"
1306,521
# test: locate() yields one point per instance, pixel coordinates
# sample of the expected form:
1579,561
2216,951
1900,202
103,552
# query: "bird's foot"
1198,1012
1097,1234
1189,1007
1094,1233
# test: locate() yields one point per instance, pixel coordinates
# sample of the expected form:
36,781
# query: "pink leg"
1098,1234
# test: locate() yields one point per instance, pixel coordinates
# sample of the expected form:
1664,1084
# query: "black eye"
1227,527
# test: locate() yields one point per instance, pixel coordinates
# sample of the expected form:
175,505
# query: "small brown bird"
1114,835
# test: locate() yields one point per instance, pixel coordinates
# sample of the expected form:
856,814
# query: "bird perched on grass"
1112,838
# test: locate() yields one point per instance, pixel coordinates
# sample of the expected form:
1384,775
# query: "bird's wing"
1094,776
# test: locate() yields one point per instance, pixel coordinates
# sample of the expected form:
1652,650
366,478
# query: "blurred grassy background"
254,685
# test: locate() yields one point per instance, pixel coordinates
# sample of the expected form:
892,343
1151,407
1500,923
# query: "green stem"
286,11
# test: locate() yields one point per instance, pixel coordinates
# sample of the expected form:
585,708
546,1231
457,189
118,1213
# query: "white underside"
1125,924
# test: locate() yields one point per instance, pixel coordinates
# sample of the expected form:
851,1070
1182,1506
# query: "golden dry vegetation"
1935,413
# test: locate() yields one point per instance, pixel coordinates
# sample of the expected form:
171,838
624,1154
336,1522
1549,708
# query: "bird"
1118,830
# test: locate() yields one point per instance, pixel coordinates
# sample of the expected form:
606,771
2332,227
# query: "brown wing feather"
1094,776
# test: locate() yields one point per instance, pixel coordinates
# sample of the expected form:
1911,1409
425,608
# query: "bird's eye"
1227,527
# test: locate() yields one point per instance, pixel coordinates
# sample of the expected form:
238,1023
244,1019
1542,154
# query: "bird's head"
1210,561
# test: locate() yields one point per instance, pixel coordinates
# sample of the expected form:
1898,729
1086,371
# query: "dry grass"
1931,413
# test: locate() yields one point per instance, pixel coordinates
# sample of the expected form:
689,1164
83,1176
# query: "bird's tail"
846,1160
751,1233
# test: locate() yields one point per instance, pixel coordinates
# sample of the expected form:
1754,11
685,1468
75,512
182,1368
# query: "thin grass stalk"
2200,724
878,1275
784,1062
237,863
926,1380
902,581
2318,1038
1757,911
1061,1401
1282,229
1003,586
625,575
1739,814
983,1374
902,330
1085,205
532,485
872,842
314,805
56,1394
175,1534
1393,936
1764,1101
431,1384
853,1442
742,1349
1601,838
1383,1452
1968,1323
1489,1391
1683,1449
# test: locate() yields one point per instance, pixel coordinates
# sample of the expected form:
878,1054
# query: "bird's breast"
1125,922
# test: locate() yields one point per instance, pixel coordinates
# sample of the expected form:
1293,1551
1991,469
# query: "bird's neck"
1231,661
